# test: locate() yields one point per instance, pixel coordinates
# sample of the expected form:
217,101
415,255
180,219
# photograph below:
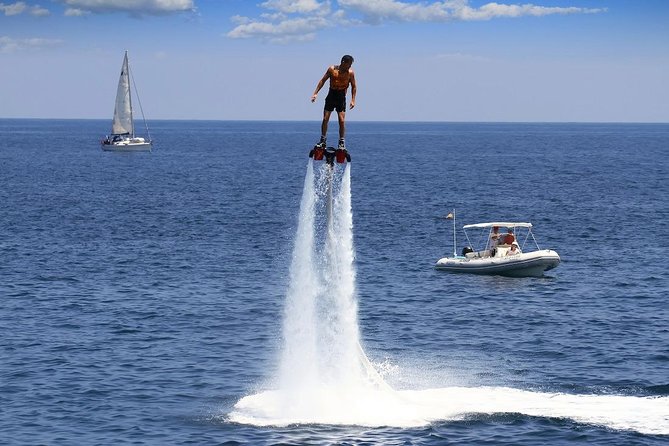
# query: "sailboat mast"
132,122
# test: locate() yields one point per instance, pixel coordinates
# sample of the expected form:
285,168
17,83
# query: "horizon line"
348,122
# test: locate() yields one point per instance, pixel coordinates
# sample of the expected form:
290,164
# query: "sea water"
149,297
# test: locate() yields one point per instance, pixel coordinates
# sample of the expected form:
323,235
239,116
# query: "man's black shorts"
336,99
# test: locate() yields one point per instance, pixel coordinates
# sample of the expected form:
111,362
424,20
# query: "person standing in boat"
494,237
340,76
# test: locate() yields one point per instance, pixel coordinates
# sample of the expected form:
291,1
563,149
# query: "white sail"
122,123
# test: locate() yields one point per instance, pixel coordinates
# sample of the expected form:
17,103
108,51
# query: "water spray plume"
325,376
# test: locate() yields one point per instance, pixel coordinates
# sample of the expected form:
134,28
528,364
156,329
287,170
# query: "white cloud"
292,20
240,20
136,7
38,11
11,45
288,21
494,10
14,8
75,12
297,6
289,30
21,7
376,11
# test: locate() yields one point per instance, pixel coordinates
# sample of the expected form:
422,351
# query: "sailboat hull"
130,145
127,148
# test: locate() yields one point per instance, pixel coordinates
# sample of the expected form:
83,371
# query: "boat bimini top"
500,224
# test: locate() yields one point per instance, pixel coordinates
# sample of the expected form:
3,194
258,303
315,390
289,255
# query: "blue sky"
457,60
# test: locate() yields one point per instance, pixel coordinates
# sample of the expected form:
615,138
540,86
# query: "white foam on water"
408,408
326,378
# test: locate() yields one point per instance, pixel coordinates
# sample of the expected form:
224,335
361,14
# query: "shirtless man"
340,77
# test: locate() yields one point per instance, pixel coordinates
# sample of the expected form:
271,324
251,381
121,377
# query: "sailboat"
122,138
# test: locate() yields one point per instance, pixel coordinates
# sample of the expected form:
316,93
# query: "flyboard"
341,156
330,155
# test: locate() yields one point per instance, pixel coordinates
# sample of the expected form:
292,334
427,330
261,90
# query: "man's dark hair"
347,58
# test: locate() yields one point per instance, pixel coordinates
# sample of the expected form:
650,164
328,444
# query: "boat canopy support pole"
535,240
455,244
469,243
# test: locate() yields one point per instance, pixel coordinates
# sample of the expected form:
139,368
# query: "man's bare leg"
324,125
341,116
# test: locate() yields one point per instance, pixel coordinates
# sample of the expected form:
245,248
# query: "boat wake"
325,377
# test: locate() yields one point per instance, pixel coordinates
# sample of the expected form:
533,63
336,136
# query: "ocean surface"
143,295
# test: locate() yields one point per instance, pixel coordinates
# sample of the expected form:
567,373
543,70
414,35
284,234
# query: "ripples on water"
142,293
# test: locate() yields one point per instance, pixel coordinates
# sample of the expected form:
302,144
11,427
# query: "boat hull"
127,147
530,264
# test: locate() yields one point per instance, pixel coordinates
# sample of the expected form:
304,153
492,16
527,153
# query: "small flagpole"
454,240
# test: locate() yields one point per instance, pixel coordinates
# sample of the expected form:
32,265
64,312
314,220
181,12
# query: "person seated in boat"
509,238
513,250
